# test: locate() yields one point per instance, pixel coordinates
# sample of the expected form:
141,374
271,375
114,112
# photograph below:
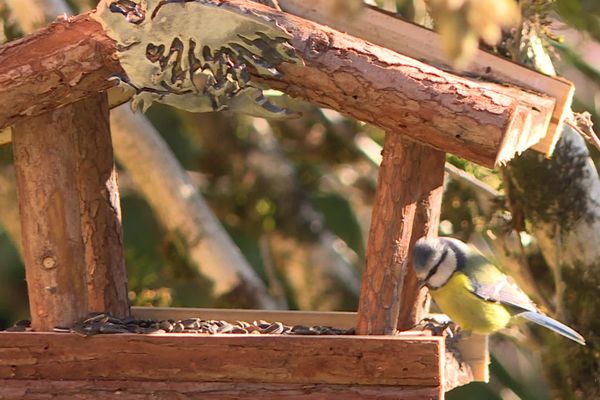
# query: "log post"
413,303
100,208
53,252
69,214
400,211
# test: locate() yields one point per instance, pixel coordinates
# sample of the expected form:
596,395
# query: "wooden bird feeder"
55,108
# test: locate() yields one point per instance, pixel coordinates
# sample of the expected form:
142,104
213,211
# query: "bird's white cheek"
443,274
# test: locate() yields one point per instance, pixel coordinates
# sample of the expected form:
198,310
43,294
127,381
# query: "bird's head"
435,260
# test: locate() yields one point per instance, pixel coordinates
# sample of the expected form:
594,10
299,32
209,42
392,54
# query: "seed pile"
105,324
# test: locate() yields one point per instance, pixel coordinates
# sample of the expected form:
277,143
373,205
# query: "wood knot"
49,263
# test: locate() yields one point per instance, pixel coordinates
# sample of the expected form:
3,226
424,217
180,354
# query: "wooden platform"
38,365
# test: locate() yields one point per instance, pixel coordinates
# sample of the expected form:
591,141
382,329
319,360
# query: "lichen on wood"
195,55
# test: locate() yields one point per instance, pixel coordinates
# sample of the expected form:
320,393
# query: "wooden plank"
344,360
474,350
46,156
140,390
423,44
74,58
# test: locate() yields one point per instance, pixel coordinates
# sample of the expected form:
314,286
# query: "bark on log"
68,60
45,151
61,64
108,390
158,175
413,302
100,208
401,187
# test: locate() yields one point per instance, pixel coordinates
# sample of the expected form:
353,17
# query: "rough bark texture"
108,390
100,208
45,150
58,65
560,198
413,303
180,207
394,361
402,95
465,117
399,191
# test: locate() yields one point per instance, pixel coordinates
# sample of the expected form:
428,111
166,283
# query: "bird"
472,291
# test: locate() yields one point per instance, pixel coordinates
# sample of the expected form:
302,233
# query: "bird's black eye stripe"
433,270
460,256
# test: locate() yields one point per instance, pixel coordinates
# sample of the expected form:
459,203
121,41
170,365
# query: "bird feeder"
54,107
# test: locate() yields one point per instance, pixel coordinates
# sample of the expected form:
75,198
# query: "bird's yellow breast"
470,312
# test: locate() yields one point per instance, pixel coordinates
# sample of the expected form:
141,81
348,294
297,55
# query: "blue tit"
472,291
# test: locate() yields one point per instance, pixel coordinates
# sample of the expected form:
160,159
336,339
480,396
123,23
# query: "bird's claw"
438,327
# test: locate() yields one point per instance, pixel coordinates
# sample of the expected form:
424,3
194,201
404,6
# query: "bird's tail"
553,325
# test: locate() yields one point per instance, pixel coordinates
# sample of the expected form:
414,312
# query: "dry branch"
71,59
180,208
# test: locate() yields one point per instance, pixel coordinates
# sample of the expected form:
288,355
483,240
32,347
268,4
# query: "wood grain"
381,361
401,186
476,120
70,214
414,302
45,152
139,390
386,30
100,208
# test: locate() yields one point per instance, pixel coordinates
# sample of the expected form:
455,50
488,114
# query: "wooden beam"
140,390
476,120
400,188
100,207
61,64
414,301
387,30
339,360
45,154
70,214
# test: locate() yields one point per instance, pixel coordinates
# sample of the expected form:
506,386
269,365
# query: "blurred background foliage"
330,187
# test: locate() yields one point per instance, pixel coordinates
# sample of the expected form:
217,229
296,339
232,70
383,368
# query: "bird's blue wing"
509,294
505,292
